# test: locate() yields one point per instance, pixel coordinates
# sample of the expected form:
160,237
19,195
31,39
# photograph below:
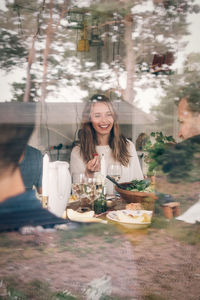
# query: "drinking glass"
115,171
78,180
84,188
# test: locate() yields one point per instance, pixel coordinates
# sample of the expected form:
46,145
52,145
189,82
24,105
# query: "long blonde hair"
88,139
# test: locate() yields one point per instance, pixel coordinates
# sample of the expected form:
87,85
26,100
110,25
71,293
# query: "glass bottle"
100,203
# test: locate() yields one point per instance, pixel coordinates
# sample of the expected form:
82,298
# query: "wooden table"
119,203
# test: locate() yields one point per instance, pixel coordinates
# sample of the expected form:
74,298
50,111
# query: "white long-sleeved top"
130,172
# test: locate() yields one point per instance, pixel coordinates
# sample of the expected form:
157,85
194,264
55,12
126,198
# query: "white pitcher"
59,187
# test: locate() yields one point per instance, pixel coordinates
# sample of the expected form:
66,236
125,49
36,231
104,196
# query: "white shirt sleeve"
133,170
77,165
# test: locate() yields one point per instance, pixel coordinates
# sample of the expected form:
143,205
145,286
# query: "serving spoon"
115,182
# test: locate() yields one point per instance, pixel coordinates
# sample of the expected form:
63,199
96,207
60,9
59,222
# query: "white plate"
132,224
86,217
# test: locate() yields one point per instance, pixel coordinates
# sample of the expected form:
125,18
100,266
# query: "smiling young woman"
100,133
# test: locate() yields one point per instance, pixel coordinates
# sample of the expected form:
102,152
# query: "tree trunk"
28,75
129,60
31,57
46,53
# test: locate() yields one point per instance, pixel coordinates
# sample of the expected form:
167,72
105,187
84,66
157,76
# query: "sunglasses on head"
100,98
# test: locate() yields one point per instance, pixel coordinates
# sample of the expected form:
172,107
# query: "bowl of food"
138,191
131,219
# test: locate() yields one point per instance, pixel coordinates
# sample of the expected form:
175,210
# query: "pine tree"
132,33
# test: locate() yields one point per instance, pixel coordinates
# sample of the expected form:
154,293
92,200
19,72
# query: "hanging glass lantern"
96,40
83,43
75,18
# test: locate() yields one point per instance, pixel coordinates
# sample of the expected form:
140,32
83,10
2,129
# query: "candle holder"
45,201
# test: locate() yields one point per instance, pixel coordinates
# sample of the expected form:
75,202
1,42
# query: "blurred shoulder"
76,150
33,151
131,147
130,143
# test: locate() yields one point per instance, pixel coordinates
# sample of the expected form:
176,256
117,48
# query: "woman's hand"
93,165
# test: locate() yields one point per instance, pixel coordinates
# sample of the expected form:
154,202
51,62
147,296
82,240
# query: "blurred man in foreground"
182,161
17,207
189,118
31,167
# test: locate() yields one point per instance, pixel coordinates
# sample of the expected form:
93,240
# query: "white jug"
59,187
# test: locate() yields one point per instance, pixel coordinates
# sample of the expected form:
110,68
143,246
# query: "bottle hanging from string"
100,205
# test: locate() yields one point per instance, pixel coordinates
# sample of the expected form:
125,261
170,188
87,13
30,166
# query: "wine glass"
115,171
84,188
78,180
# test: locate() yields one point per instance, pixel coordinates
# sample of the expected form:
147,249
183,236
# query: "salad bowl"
146,197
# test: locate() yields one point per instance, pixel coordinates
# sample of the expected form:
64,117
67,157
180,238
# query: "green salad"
140,186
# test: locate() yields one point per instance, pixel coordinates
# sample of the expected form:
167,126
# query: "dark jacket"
181,161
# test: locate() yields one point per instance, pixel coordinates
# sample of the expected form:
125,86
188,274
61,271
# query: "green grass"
14,294
34,290
78,251
38,290
114,298
98,230
109,239
64,296
108,234
5,242
159,222
153,297
187,233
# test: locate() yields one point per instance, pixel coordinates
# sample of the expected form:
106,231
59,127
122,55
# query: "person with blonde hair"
100,134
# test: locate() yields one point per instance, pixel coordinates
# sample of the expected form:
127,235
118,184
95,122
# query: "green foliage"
156,149
106,9
181,161
138,185
68,68
18,89
12,52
